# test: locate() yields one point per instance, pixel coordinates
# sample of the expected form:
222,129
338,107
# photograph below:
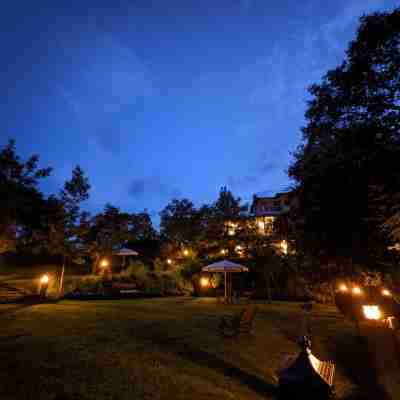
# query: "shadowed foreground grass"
164,348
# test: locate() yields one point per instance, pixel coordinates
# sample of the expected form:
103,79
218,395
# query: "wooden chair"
239,323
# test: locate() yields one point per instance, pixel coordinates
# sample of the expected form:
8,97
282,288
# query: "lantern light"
386,292
204,282
169,261
104,263
284,246
185,252
372,312
44,279
343,288
356,290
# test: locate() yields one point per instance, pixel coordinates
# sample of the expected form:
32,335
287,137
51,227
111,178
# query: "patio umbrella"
226,267
125,252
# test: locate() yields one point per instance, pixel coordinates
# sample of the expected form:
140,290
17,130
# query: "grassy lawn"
165,348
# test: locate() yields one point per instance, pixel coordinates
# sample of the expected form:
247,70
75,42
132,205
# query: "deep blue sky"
161,99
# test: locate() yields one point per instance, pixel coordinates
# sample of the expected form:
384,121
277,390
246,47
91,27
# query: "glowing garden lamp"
386,292
169,261
372,312
104,263
356,290
204,282
44,284
343,288
185,252
284,246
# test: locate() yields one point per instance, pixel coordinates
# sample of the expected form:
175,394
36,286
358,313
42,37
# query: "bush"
90,283
137,275
323,292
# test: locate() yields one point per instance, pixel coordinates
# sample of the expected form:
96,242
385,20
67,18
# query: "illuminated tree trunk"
95,264
61,286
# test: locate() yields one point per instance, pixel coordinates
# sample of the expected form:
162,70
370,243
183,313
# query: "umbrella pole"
226,291
229,277
231,287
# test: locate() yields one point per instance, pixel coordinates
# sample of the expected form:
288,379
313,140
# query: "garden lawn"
166,348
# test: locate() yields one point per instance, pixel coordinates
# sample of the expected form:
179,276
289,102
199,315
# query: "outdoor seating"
239,323
306,377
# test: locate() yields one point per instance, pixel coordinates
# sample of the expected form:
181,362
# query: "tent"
227,267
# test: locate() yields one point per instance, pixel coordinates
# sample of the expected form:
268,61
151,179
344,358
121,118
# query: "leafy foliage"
20,198
179,221
346,170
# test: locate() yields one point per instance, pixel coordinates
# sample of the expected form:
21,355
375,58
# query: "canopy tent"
124,252
226,267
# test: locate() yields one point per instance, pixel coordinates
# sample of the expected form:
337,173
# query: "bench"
305,376
325,369
240,323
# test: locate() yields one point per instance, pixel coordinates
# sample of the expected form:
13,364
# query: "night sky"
163,99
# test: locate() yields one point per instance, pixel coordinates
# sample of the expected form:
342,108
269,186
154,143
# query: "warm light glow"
265,225
231,228
185,252
284,246
372,312
44,279
223,251
204,281
356,290
104,263
386,292
238,248
169,261
343,288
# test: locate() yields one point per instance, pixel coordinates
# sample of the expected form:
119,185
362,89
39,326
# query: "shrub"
137,274
90,283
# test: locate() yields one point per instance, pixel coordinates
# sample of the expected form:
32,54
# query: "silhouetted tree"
347,168
66,222
20,198
179,222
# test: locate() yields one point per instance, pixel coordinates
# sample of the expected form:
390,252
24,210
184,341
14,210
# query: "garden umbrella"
125,252
226,267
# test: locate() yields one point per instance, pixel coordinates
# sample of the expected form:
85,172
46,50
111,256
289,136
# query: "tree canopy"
20,198
347,169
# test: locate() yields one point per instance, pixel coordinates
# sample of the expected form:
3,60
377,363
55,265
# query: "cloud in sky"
112,80
257,176
345,19
302,55
145,187
152,96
